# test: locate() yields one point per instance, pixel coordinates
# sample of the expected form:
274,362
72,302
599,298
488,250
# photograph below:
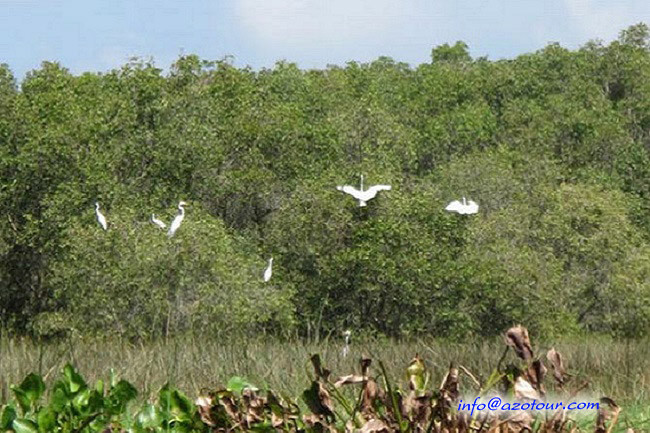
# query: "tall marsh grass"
617,369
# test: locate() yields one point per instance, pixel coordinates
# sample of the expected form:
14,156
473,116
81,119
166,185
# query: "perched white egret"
464,208
101,219
269,271
157,222
346,348
360,194
178,220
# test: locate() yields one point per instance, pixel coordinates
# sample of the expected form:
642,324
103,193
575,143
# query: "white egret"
101,219
464,208
346,348
157,222
269,271
360,194
178,220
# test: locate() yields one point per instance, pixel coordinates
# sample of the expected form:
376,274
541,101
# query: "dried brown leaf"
371,393
517,338
365,366
607,411
317,423
524,390
375,426
350,379
535,375
321,373
204,405
254,406
557,365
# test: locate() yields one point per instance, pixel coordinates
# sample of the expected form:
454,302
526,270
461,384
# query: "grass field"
616,369
619,370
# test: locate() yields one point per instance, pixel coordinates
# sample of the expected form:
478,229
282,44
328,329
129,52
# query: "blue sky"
87,35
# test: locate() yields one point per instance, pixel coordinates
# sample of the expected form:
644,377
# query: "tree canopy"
554,146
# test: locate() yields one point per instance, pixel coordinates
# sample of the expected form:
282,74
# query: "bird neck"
361,187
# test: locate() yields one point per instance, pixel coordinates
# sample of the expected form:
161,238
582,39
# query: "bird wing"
376,188
454,206
371,192
102,220
350,190
175,225
472,207
159,223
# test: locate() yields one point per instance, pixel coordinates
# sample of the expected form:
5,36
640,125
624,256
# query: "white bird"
178,220
269,271
464,208
101,219
157,222
346,348
360,194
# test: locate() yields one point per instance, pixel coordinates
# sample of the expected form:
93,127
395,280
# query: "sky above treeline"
100,35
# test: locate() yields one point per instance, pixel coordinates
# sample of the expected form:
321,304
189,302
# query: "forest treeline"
554,146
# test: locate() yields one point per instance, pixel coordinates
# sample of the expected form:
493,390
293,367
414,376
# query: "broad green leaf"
22,425
46,420
74,380
21,398
8,416
59,399
238,384
119,396
175,404
33,387
149,417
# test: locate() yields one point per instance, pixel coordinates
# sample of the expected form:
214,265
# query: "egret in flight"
346,348
101,219
360,194
269,271
464,208
178,220
157,222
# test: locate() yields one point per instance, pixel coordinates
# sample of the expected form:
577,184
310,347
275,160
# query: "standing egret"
464,208
101,219
157,222
346,348
269,271
360,194
178,220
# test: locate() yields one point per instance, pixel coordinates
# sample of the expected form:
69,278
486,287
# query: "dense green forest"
553,145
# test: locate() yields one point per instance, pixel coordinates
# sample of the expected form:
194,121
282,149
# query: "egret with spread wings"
464,208
360,194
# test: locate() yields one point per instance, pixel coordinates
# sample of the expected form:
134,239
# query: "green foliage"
133,280
72,406
553,145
